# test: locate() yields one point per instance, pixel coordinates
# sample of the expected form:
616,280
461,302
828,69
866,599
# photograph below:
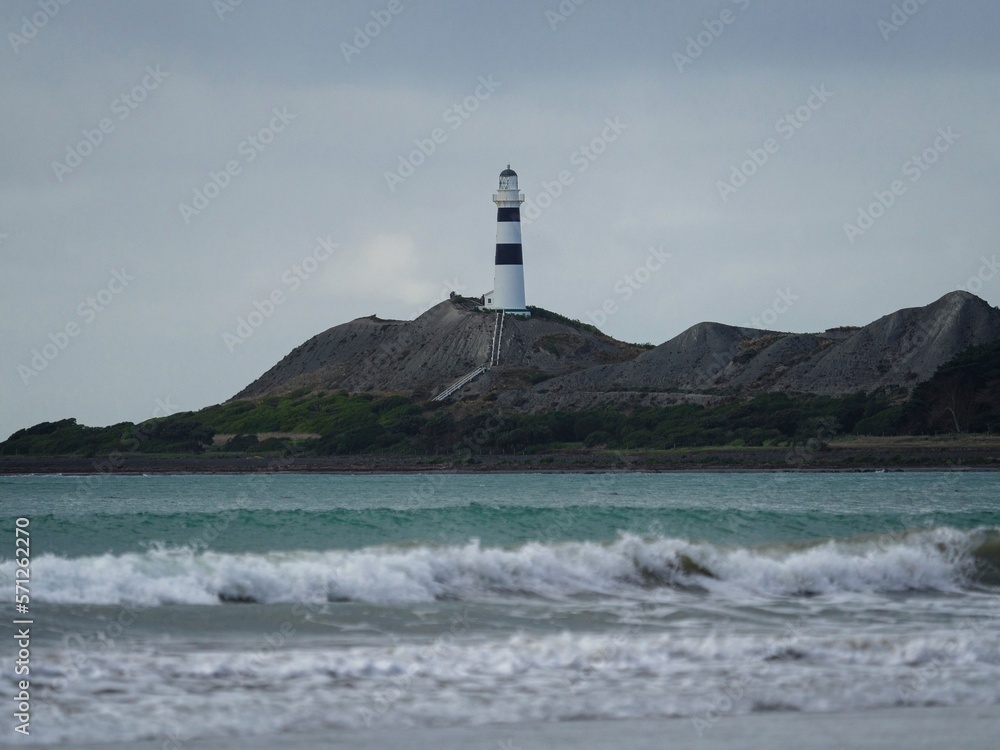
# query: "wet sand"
954,728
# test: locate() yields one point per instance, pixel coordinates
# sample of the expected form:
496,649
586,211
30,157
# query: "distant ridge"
549,362
898,350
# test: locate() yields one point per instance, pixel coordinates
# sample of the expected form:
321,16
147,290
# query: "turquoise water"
93,515
211,606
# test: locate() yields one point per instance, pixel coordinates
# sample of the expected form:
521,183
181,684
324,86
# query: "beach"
974,728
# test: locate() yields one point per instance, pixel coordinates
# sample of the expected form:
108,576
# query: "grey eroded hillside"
573,367
896,351
427,354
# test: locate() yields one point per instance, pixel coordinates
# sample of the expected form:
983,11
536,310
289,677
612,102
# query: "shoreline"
916,728
869,456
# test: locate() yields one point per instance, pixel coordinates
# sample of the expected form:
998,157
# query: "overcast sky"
170,168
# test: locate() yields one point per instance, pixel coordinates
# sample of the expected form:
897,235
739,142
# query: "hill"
561,386
896,352
425,355
549,362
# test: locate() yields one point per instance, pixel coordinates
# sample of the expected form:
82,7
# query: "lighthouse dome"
508,179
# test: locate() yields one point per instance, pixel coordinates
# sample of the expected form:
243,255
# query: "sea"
257,609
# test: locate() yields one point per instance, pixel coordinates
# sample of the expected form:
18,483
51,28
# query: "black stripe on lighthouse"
509,253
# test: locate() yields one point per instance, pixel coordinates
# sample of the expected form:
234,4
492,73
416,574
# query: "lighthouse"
508,280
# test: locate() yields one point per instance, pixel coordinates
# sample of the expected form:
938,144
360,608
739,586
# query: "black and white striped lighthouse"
508,282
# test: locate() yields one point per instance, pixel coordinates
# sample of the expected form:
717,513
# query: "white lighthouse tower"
508,281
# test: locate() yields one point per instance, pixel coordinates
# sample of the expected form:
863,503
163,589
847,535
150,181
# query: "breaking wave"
941,559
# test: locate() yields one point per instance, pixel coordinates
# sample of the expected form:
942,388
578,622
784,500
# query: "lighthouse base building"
508,279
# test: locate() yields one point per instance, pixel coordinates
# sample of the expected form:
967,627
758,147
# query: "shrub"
243,443
598,439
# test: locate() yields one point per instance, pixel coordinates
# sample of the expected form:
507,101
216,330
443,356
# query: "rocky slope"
896,351
580,368
428,354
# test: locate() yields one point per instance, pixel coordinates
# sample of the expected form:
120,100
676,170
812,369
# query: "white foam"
525,677
633,567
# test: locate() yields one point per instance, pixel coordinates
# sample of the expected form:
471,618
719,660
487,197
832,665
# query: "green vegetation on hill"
770,419
65,436
346,423
964,396
363,423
